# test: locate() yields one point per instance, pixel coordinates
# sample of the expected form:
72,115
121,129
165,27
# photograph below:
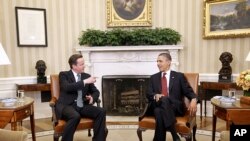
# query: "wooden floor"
206,124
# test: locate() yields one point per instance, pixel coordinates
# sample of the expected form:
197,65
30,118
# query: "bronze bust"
41,68
226,70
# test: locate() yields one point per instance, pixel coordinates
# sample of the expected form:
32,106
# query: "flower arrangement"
243,81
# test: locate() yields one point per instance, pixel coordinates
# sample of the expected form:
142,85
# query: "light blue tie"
79,101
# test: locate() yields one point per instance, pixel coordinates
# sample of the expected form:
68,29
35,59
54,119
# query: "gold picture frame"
129,13
226,19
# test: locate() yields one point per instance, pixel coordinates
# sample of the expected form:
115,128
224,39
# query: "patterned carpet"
120,132
118,135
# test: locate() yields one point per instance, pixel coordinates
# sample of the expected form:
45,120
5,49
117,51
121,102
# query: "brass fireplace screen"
124,95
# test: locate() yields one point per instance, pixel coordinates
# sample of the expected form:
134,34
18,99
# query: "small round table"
15,110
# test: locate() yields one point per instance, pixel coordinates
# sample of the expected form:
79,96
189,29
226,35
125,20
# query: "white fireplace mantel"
127,54
129,48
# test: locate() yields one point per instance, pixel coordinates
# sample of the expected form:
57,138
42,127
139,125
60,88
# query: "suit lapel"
171,80
159,82
71,76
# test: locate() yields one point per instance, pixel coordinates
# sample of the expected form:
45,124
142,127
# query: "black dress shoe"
177,138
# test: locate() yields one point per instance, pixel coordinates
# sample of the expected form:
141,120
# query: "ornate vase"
247,93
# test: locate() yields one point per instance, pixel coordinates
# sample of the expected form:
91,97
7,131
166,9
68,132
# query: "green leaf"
129,37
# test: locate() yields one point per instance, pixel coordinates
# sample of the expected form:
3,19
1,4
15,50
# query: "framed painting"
31,27
226,19
129,13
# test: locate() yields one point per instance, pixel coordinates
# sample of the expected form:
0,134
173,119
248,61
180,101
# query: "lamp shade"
248,56
4,60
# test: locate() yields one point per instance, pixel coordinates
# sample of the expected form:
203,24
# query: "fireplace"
125,64
124,95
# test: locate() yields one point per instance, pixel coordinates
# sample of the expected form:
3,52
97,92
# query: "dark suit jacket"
69,88
178,87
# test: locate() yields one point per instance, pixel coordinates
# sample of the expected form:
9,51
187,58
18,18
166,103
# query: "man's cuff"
196,99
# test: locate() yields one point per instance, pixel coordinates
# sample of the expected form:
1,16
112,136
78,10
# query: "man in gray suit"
165,92
76,100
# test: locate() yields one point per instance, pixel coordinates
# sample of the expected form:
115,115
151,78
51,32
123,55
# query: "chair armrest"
52,104
143,114
191,121
98,102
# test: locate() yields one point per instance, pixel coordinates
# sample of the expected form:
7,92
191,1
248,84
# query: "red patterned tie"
164,90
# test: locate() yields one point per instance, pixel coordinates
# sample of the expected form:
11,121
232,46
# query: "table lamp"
4,60
248,56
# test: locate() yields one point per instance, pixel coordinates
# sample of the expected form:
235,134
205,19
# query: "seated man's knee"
157,111
76,116
103,111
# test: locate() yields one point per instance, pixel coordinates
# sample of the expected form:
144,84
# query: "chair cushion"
181,125
148,122
85,123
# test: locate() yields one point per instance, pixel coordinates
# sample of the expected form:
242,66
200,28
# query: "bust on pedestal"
225,73
41,68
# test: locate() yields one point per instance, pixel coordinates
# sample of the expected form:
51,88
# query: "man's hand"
157,97
89,80
193,106
90,98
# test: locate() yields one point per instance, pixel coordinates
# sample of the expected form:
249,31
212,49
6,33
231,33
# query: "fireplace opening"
124,95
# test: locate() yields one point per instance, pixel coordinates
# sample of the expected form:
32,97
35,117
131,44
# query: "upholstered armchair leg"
139,133
194,132
89,132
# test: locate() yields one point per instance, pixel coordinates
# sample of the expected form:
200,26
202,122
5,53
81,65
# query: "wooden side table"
43,88
16,112
205,86
33,87
229,113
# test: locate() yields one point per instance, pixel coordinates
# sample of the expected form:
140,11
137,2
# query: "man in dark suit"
165,92
76,100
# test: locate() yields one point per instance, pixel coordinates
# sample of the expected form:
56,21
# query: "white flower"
243,80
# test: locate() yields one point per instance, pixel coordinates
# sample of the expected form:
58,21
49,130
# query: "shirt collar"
167,72
75,75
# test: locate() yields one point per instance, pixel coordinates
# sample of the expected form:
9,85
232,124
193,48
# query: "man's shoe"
177,138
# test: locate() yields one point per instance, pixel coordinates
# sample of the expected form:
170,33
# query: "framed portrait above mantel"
226,19
122,13
31,27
